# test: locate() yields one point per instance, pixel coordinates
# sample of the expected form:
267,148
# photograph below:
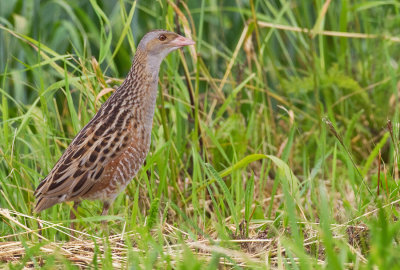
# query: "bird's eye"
162,37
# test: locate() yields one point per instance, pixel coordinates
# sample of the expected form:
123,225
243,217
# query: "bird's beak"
181,41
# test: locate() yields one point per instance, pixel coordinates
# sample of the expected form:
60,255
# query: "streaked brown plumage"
108,152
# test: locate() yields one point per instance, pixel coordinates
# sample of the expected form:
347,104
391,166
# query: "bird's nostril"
182,41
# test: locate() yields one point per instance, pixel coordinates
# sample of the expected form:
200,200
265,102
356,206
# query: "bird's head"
157,44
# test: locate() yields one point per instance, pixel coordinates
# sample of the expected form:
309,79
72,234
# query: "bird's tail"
45,202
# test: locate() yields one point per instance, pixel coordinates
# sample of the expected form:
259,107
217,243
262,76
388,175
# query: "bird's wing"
84,161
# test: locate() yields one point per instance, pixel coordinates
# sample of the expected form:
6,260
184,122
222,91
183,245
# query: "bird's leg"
106,207
40,227
72,216
73,210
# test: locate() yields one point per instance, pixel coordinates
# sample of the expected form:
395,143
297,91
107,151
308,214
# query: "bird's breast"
120,171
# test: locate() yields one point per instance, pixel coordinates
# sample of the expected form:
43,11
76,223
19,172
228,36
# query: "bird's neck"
139,90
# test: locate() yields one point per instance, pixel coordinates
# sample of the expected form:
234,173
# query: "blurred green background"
275,126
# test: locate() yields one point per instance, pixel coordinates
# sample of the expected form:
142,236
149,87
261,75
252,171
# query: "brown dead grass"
262,245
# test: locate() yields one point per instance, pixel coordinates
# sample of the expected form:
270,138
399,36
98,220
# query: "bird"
109,150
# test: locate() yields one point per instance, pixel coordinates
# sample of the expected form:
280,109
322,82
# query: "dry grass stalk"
327,33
